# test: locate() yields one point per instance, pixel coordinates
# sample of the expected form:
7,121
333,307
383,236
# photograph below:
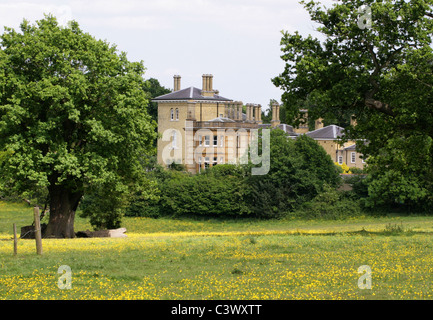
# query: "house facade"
200,128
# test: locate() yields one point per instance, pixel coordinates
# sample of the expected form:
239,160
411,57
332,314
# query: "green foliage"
227,170
329,204
381,75
392,188
72,112
154,89
356,170
104,210
206,195
316,160
299,169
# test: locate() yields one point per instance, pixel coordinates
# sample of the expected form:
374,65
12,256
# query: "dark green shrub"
317,161
355,170
329,204
104,210
204,194
299,169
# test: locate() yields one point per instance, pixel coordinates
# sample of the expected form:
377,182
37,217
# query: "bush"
393,189
205,195
356,170
299,169
329,204
105,205
104,210
142,207
316,160
143,204
224,170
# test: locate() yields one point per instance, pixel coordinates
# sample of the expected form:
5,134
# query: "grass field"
232,259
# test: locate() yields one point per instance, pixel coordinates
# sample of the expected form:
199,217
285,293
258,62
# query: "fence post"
15,240
38,234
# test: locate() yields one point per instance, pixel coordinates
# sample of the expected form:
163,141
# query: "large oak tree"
72,116
373,60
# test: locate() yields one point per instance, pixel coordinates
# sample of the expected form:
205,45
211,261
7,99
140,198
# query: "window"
215,141
177,113
340,159
171,114
206,141
221,141
206,162
215,161
222,160
353,157
200,141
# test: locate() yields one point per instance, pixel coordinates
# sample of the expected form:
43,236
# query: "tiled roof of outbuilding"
330,132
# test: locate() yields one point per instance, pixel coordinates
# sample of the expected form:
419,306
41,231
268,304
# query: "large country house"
199,128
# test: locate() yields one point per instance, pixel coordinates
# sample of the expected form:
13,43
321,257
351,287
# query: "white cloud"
236,40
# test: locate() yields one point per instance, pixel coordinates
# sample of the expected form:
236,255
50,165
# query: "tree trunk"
63,204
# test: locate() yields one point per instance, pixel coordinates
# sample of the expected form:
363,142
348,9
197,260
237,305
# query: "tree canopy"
72,116
375,62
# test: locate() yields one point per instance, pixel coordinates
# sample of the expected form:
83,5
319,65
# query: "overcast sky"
238,41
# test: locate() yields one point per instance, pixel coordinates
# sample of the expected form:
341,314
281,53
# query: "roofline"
161,98
334,125
191,101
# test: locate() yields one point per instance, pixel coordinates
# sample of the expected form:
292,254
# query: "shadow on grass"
389,230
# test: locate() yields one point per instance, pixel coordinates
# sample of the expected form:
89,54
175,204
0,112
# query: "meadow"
224,259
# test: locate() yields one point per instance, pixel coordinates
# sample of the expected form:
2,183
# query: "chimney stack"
249,112
238,110
318,124
275,114
176,79
210,83
204,86
259,114
207,88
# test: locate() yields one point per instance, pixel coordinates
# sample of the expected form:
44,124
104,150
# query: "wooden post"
15,240
38,234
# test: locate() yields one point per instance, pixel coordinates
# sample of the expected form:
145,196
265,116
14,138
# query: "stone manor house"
200,128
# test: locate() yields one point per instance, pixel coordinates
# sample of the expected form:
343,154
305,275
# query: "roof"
191,93
330,132
352,147
285,127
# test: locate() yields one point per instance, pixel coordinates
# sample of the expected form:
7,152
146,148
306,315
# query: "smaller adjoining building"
328,138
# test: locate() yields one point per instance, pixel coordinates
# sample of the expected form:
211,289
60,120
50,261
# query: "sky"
237,41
